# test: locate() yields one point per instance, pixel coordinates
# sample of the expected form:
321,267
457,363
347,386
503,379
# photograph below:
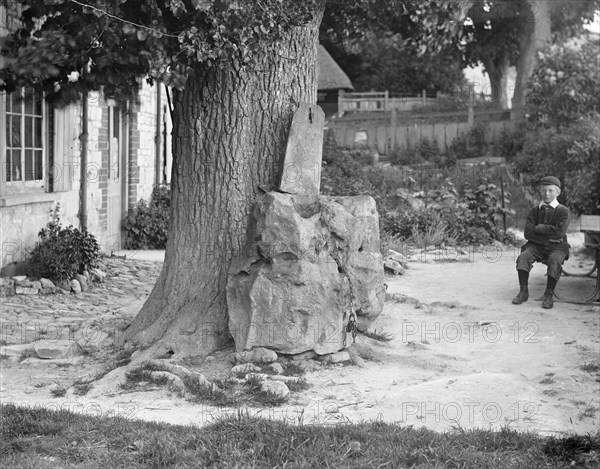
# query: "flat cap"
550,181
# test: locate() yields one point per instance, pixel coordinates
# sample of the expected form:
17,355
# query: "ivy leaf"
142,35
202,5
177,7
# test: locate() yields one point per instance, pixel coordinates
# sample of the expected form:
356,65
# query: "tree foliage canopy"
565,86
564,137
68,46
497,27
116,42
389,63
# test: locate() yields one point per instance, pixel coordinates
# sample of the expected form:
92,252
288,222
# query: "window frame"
23,186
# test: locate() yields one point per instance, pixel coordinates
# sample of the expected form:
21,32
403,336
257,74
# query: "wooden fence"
389,133
380,101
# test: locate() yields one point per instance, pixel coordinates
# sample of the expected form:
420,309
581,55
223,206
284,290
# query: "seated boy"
545,232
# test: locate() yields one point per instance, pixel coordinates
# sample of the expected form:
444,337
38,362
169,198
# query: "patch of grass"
292,368
547,380
227,383
258,396
588,412
242,374
232,393
143,375
58,391
573,447
379,336
3,356
33,437
298,386
3,342
82,388
551,392
204,393
254,382
64,365
123,358
590,367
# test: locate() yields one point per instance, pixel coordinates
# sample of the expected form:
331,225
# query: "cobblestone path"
106,307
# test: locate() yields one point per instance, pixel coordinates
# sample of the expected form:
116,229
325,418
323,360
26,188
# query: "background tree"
239,69
492,39
402,47
509,33
544,22
388,63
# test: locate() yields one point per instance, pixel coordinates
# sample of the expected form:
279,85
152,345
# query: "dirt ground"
462,356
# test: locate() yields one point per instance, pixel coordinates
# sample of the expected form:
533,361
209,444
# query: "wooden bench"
590,226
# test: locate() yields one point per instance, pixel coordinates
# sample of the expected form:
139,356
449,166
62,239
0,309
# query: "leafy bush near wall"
563,138
511,143
469,145
565,85
147,224
63,252
425,151
572,155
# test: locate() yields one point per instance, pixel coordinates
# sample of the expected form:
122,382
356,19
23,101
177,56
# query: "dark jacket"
555,228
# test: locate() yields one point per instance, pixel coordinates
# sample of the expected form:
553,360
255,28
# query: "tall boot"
522,296
548,298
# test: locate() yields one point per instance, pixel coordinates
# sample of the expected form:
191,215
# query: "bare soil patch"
462,356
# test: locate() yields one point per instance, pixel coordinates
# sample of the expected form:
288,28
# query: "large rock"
18,350
7,287
15,269
257,355
291,289
277,388
53,349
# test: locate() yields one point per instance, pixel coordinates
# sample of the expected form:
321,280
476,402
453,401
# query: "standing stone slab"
302,164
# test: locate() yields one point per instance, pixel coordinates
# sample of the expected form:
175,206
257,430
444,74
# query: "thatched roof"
331,76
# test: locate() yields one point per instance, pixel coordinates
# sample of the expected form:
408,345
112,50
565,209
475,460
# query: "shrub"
572,155
469,145
147,224
510,143
563,103
424,151
402,224
464,212
61,252
470,219
565,85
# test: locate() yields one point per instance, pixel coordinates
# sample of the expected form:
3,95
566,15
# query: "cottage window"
24,138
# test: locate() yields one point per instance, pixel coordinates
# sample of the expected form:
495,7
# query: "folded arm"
556,230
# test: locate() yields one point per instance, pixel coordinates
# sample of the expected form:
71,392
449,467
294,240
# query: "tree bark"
230,128
536,35
497,71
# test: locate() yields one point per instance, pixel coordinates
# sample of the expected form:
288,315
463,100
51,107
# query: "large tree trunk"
536,35
230,130
497,71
